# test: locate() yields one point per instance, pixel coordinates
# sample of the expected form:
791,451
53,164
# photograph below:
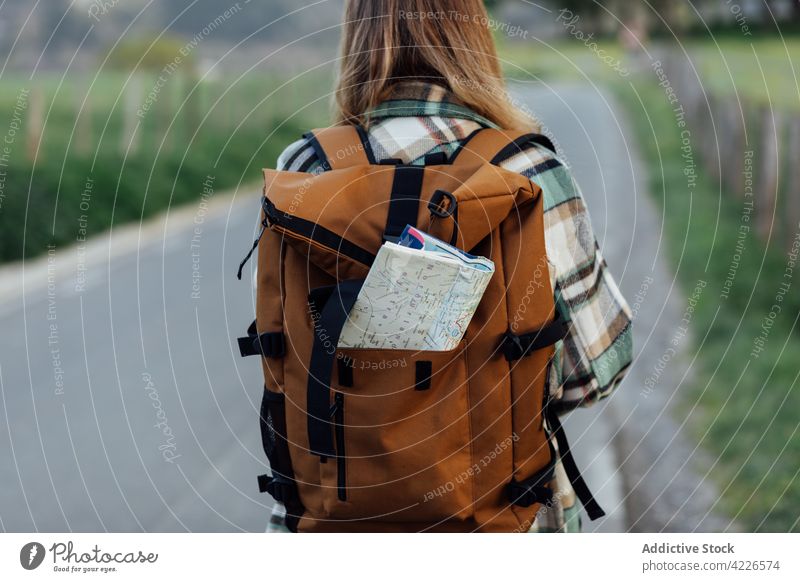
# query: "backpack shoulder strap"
489,145
341,146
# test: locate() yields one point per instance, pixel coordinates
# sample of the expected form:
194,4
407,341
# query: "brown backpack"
405,440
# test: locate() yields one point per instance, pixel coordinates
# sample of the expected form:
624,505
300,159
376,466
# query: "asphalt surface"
125,406
634,448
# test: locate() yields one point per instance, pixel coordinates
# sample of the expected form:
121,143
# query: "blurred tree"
62,26
245,18
781,10
153,55
605,15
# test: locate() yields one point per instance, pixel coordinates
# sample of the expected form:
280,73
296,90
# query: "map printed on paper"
420,294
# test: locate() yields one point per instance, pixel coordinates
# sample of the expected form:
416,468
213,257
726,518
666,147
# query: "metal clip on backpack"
404,440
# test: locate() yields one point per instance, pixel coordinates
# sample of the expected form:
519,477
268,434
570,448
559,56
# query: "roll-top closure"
338,219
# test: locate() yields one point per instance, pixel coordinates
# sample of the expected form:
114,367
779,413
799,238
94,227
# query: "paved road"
156,428
126,408
637,457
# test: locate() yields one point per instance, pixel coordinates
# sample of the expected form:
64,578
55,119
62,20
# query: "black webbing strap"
519,144
264,225
330,318
340,146
404,201
249,254
588,501
423,370
269,344
345,371
436,159
518,346
318,149
364,137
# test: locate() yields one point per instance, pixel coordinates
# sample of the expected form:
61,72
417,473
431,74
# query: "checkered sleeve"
299,156
598,348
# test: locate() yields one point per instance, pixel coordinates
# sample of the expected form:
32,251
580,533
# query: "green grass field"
228,128
560,60
766,71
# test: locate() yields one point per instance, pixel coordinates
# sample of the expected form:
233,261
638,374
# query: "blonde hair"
448,42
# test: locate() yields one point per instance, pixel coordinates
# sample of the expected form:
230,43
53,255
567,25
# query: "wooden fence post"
84,141
733,142
129,141
713,138
768,165
35,123
792,211
191,109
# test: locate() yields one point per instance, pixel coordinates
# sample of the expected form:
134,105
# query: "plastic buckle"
435,204
512,347
269,345
525,496
244,344
278,486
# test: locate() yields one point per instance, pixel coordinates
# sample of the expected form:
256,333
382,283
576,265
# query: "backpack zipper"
313,234
337,413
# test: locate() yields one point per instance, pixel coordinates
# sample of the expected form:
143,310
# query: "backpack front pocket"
402,434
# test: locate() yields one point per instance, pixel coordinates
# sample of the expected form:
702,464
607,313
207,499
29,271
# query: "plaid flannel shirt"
421,118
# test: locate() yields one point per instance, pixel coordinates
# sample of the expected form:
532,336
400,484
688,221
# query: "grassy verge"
743,399
86,175
764,71
761,70
743,402
561,60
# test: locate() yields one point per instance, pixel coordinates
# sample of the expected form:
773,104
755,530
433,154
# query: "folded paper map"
420,294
